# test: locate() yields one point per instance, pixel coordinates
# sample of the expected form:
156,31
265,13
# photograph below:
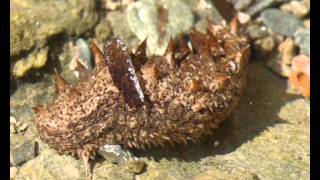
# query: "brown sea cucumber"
138,101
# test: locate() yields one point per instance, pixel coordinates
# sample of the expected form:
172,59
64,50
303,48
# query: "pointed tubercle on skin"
184,50
83,71
170,53
98,55
60,83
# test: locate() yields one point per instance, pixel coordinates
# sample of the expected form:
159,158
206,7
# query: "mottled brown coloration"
185,101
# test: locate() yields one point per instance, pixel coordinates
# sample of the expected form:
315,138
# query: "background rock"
143,20
37,59
22,152
302,39
281,22
32,22
50,165
260,5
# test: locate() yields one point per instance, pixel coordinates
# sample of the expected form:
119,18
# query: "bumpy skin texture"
187,96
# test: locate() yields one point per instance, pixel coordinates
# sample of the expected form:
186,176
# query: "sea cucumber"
175,98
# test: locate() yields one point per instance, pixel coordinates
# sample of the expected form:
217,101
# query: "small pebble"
13,120
136,167
278,67
296,8
302,39
300,77
22,127
256,32
243,18
287,49
306,23
266,44
13,172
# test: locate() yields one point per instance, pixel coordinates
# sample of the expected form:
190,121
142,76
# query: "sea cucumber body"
183,103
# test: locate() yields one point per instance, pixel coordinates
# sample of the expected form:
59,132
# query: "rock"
260,5
265,45
13,120
111,171
306,23
241,5
113,5
280,68
302,39
297,8
50,165
136,167
159,21
36,60
206,9
81,52
22,153
103,30
287,49
300,76
256,32
281,22
13,172
243,18
32,22
120,26
307,3
30,95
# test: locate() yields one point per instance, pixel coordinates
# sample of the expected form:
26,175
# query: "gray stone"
22,153
256,32
120,26
260,5
32,22
281,22
103,29
143,20
302,39
241,5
